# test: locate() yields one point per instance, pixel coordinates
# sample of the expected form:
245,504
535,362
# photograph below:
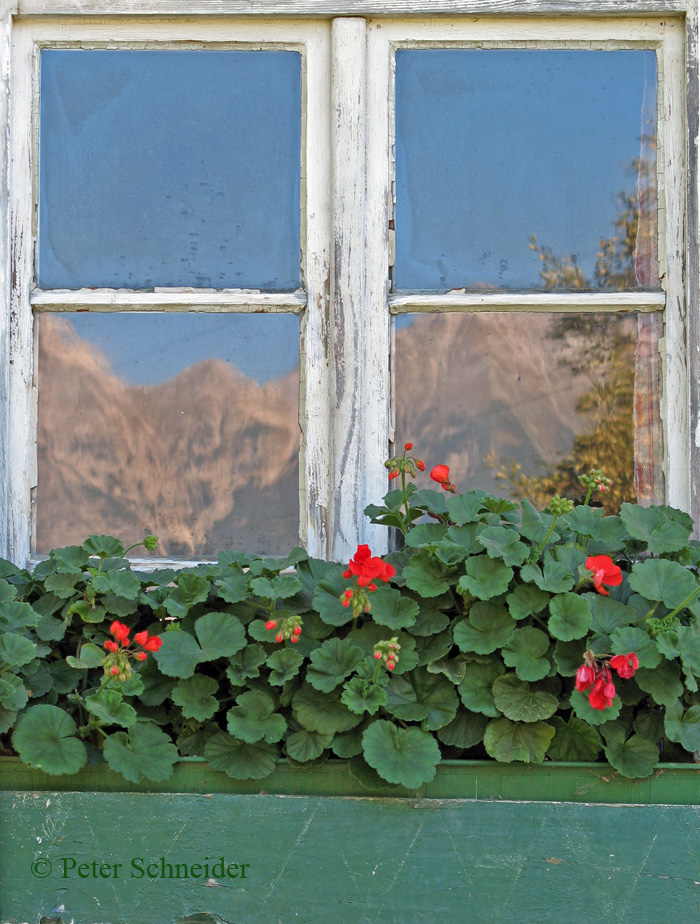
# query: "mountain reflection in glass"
170,168
520,404
183,425
516,169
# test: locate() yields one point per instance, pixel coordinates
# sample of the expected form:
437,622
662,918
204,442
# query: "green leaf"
284,664
504,543
305,745
662,580
326,600
650,525
608,614
432,647
253,719
485,577
432,501
584,520
635,757
476,689
515,699
407,756
220,635
426,575
279,588
233,588
156,687
465,508
196,696
683,726
73,558
526,600
245,665
584,710
650,725
14,616
90,656
120,583
16,650
425,534
110,708
555,578
362,696
45,739
102,547
179,654
488,627
87,612
361,771
368,636
507,741
663,683
392,609
63,585
637,640
144,751
240,760
452,668
570,617
322,712
568,656
13,694
535,525
420,695
191,589
465,730
573,740
349,744
526,652
431,617
331,663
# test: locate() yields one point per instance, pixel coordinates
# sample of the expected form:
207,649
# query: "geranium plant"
497,630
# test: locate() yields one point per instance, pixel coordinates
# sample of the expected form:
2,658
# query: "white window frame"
347,205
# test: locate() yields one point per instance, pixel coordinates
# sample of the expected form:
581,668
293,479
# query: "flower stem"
683,605
549,533
405,500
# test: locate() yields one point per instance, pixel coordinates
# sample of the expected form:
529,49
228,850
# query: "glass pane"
183,425
170,168
525,169
521,404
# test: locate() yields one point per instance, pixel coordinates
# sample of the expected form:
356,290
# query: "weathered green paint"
671,784
332,860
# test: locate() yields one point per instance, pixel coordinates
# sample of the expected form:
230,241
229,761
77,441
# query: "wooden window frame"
347,202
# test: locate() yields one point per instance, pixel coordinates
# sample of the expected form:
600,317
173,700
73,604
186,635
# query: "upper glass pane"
184,425
170,168
525,169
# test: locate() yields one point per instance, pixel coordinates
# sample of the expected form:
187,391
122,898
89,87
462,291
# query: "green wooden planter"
483,843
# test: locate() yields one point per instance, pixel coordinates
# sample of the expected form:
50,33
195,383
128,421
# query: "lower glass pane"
521,404
183,425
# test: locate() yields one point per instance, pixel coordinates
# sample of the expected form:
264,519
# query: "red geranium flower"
441,474
605,571
585,677
602,694
368,569
625,665
120,632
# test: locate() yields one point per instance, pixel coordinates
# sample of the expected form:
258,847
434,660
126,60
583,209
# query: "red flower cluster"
289,628
367,569
143,639
441,474
605,571
599,679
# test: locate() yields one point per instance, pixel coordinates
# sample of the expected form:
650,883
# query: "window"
250,255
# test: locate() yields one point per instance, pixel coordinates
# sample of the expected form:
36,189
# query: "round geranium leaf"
525,652
488,627
220,635
525,600
636,640
178,655
144,751
632,757
663,683
362,696
507,741
361,771
253,719
500,542
108,706
662,580
476,688
573,740
515,699
16,650
683,726
420,695
393,609
322,712
284,664
195,696
332,662
465,730
660,532
45,738
584,710
240,760
426,575
13,693
570,617
568,656
407,756
305,745
486,577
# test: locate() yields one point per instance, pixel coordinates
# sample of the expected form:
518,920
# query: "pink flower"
605,571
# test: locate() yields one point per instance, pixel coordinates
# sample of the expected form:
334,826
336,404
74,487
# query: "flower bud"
377,655
140,655
420,465
141,638
294,639
297,630
348,593
115,669
271,623
408,446
390,664
279,637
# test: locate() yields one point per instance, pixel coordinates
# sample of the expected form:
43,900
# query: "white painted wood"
332,8
22,435
672,175
692,275
5,73
532,301
352,325
314,469
166,300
